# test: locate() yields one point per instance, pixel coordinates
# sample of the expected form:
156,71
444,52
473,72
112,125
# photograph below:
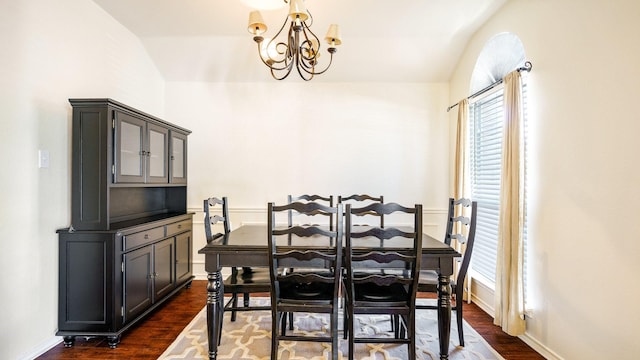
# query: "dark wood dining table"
247,246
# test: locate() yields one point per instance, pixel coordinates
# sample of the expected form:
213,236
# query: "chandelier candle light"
301,48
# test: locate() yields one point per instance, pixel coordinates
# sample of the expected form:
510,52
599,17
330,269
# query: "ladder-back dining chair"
392,293
249,280
306,248
461,227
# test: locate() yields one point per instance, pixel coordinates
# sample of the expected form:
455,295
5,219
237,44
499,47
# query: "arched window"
501,55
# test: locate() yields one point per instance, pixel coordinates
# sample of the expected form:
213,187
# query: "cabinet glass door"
178,158
129,149
157,168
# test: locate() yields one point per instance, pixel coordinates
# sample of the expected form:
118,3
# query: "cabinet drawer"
178,227
143,237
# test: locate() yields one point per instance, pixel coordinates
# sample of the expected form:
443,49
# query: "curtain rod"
527,67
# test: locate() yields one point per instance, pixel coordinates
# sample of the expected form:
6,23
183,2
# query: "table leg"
214,314
444,315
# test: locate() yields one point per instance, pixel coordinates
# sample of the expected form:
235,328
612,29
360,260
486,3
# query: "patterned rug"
249,338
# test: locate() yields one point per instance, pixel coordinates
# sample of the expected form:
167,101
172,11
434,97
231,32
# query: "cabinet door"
178,159
157,154
130,153
138,282
164,273
183,257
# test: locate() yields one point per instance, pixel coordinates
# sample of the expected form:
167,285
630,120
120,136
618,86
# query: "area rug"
249,338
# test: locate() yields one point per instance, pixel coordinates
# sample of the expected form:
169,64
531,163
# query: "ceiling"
382,40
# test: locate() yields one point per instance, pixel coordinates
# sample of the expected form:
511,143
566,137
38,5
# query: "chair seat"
321,292
383,294
249,278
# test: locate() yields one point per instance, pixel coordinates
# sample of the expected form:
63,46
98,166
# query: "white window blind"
485,129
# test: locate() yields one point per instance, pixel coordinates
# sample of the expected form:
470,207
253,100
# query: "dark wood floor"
150,338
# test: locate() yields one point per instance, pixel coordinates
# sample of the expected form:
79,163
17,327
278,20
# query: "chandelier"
298,47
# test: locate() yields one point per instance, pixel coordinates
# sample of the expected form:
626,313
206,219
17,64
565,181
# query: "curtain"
461,175
509,292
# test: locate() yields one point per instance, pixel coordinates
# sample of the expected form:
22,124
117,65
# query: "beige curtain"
509,293
460,176
461,171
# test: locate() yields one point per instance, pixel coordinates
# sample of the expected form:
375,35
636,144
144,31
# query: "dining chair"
250,280
392,293
324,200
461,228
305,290
360,200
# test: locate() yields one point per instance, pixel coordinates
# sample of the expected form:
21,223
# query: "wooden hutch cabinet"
129,246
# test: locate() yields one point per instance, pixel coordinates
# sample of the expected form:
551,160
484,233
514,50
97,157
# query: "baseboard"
42,348
539,347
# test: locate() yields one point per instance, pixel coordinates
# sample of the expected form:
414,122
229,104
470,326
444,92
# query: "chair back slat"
362,200
304,231
383,234
382,280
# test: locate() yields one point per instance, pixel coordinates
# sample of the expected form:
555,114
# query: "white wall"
584,126
258,142
51,51
55,50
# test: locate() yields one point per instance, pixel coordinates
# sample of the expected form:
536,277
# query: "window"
485,128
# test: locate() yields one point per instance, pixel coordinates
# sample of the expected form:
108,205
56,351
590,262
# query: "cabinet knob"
146,236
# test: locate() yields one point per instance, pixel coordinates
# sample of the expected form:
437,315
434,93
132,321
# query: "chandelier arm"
310,19
288,59
274,40
266,61
324,70
288,71
295,47
314,56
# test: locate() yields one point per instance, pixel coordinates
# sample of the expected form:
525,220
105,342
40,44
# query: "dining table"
247,246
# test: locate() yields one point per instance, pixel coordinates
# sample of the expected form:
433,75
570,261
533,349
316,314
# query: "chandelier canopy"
298,47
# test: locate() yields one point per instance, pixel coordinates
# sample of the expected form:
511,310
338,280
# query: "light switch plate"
43,159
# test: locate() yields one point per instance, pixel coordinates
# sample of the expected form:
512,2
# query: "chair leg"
403,327
274,336
345,324
459,321
395,325
334,334
245,300
412,336
284,324
234,305
351,335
